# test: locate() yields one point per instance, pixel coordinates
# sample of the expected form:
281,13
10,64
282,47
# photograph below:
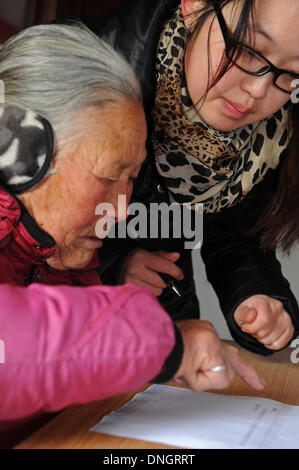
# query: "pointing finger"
244,370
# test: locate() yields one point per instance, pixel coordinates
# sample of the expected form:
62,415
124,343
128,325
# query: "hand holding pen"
157,270
170,284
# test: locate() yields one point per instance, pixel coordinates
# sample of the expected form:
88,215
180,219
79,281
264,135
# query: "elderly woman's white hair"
58,69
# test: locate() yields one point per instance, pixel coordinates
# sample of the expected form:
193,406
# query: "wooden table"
70,429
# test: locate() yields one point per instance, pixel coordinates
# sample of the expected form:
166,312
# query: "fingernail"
262,384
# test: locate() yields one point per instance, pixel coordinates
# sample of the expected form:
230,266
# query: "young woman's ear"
190,6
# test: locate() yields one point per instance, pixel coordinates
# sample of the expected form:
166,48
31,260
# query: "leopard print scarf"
196,162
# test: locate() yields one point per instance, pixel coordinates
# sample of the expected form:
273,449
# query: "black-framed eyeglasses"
251,61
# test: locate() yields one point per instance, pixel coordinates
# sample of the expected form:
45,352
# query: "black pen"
170,283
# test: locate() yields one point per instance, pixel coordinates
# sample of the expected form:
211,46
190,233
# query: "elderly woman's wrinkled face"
98,169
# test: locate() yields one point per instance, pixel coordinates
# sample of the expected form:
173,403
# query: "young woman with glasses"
218,80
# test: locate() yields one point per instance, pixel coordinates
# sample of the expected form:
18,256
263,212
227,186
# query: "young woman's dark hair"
279,225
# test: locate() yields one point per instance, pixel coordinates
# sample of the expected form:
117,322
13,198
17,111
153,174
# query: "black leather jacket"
236,267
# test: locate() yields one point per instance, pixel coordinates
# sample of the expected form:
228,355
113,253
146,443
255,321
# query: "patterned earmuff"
26,148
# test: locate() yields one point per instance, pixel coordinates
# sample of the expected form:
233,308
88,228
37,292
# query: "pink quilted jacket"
65,338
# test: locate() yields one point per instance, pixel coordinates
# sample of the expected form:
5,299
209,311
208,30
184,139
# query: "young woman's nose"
257,87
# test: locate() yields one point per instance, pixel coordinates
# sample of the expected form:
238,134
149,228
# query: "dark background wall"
18,14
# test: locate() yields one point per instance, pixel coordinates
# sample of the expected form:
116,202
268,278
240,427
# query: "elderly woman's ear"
26,148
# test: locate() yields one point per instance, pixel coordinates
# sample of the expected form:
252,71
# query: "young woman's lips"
235,112
92,242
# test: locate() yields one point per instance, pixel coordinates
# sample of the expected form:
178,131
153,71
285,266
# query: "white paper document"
202,420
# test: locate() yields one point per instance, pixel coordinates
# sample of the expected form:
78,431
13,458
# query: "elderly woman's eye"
107,180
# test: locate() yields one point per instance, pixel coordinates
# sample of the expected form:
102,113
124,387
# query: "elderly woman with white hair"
72,135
